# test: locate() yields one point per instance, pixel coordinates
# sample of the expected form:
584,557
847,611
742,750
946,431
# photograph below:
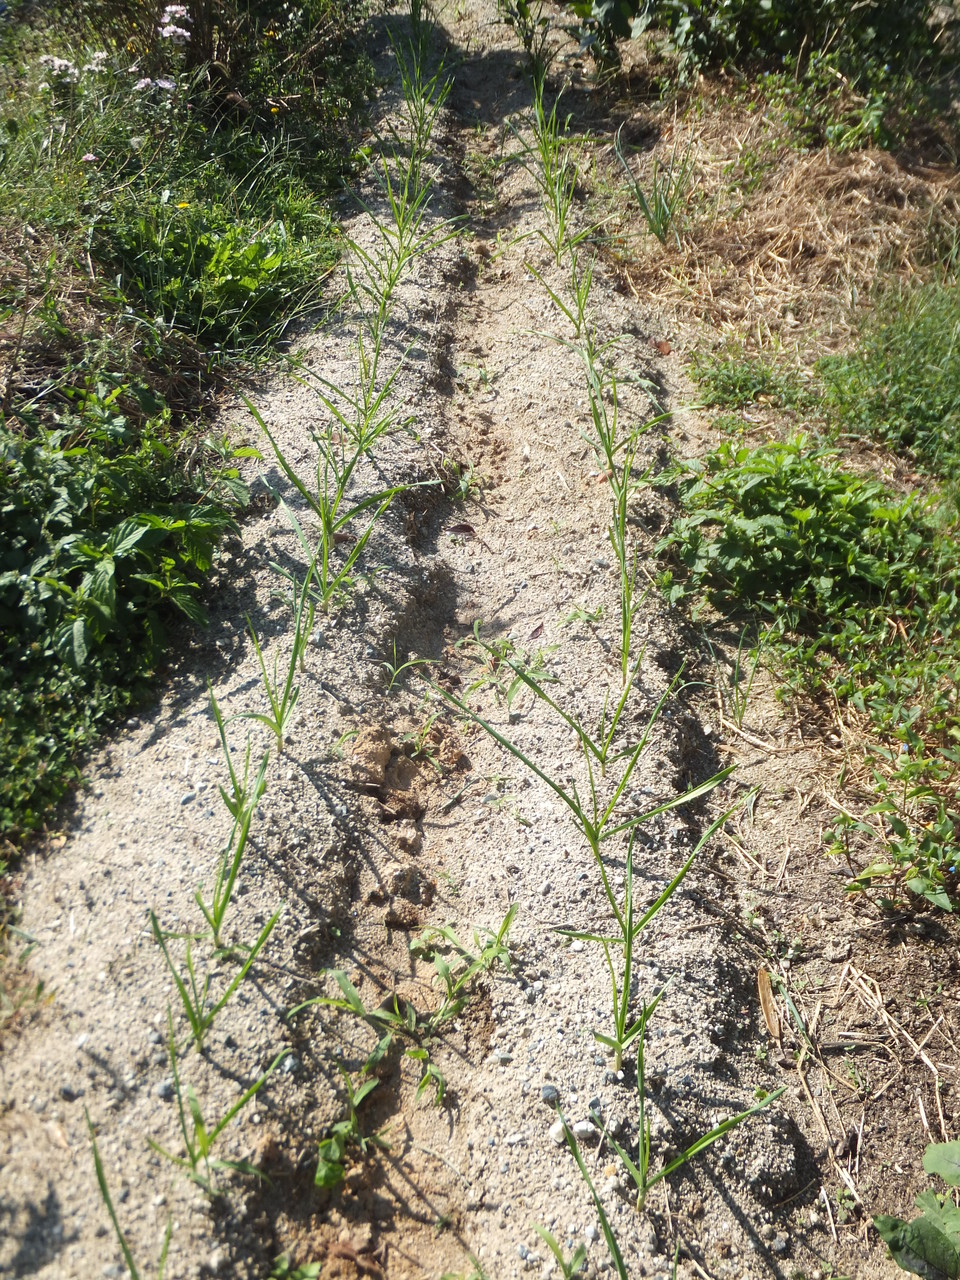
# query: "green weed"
199,1139
346,1133
856,587
194,992
490,948
901,383
105,538
662,207
283,1269
930,1244
179,229
397,1018
532,27
734,381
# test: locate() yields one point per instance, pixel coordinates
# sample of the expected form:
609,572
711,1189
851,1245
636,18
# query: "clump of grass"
732,380
901,383
662,205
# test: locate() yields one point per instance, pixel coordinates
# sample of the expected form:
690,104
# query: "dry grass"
814,233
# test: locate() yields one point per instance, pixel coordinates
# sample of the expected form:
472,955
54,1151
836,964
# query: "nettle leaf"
919,1247
125,536
943,1213
943,1158
72,642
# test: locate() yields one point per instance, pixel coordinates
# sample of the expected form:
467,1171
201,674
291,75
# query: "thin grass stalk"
607,1229
230,867
128,1257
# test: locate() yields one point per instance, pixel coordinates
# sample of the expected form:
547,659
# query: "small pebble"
583,1130
164,1090
556,1133
188,797
550,1094
592,1233
68,1094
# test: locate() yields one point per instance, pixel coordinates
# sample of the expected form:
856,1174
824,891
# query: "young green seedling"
235,799
606,1228
246,797
333,512
491,949
283,697
331,1169
132,1268
626,1028
568,1268
639,1171
194,995
551,165
199,1139
596,814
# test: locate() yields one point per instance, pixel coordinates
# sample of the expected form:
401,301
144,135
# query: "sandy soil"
385,815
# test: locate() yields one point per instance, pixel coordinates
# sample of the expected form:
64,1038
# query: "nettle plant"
929,1246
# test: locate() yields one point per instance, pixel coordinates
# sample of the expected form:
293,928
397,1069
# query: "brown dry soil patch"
384,816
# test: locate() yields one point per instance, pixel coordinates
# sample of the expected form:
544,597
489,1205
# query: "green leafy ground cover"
164,174
845,75
855,580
